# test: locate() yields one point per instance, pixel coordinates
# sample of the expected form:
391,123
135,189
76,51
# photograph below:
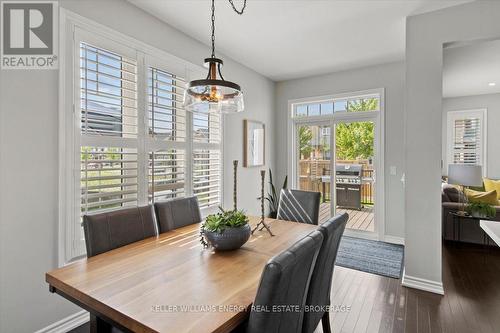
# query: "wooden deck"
358,219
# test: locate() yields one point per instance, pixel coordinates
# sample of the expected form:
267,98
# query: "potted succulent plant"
225,230
481,210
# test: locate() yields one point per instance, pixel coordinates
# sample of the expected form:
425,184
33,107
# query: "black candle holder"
262,222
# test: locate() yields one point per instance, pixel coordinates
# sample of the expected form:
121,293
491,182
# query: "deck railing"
311,172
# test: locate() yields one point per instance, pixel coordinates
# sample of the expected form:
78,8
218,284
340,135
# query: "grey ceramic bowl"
229,239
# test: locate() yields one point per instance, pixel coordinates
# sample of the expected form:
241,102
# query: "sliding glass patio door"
355,173
337,151
315,163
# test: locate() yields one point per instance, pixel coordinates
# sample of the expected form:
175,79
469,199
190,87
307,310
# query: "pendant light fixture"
214,94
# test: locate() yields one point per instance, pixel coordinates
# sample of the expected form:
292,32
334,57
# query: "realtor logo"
29,38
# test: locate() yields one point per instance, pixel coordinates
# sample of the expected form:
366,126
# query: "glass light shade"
213,98
213,94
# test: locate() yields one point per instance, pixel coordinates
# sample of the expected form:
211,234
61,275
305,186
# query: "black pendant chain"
242,8
238,11
213,28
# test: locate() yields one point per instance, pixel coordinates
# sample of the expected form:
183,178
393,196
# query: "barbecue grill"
348,183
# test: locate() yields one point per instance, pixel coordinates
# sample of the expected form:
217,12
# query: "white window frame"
332,119
73,26
451,116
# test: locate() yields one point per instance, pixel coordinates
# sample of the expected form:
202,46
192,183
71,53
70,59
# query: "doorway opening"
337,153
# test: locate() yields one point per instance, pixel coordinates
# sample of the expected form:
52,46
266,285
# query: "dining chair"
283,286
176,213
110,230
299,206
318,297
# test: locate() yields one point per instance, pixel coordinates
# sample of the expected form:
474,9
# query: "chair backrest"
284,283
299,206
176,213
107,231
321,280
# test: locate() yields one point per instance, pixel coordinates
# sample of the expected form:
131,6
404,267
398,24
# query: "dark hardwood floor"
471,304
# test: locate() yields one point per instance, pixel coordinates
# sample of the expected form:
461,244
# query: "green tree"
364,104
305,137
354,140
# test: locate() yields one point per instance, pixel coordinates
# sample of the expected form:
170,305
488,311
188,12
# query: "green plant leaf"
481,208
225,219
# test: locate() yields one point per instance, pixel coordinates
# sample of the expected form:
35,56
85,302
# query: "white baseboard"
67,324
423,284
394,239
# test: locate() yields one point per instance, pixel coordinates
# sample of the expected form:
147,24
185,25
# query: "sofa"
470,231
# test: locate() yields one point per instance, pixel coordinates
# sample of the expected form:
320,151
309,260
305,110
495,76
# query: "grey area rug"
371,256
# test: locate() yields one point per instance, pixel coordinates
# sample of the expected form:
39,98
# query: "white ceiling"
468,70
284,39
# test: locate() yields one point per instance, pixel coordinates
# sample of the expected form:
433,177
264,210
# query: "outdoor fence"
311,172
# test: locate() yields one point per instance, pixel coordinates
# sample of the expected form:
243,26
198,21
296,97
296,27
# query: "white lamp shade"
465,174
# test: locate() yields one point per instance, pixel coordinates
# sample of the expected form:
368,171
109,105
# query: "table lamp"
464,175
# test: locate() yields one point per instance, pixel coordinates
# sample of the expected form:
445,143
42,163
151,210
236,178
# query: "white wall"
425,35
388,76
29,161
491,102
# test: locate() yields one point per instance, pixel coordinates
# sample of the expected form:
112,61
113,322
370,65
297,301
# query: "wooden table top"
170,284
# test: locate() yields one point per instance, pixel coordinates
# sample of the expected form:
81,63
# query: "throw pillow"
453,193
492,185
482,197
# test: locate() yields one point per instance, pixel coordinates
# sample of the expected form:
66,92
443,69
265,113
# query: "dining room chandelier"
214,94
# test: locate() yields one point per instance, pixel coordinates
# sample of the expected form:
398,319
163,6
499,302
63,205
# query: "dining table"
492,229
171,283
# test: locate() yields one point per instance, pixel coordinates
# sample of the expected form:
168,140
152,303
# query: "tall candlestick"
262,210
262,177
235,184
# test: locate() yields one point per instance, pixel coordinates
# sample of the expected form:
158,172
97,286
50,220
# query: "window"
134,143
166,174
466,137
167,119
108,85
329,107
167,122
363,104
108,99
207,176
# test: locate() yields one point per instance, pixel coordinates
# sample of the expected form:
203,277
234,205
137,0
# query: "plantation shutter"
167,117
108,84
129,140
207,177
108,178
167,143
108,133
207,166
466,142
166,174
